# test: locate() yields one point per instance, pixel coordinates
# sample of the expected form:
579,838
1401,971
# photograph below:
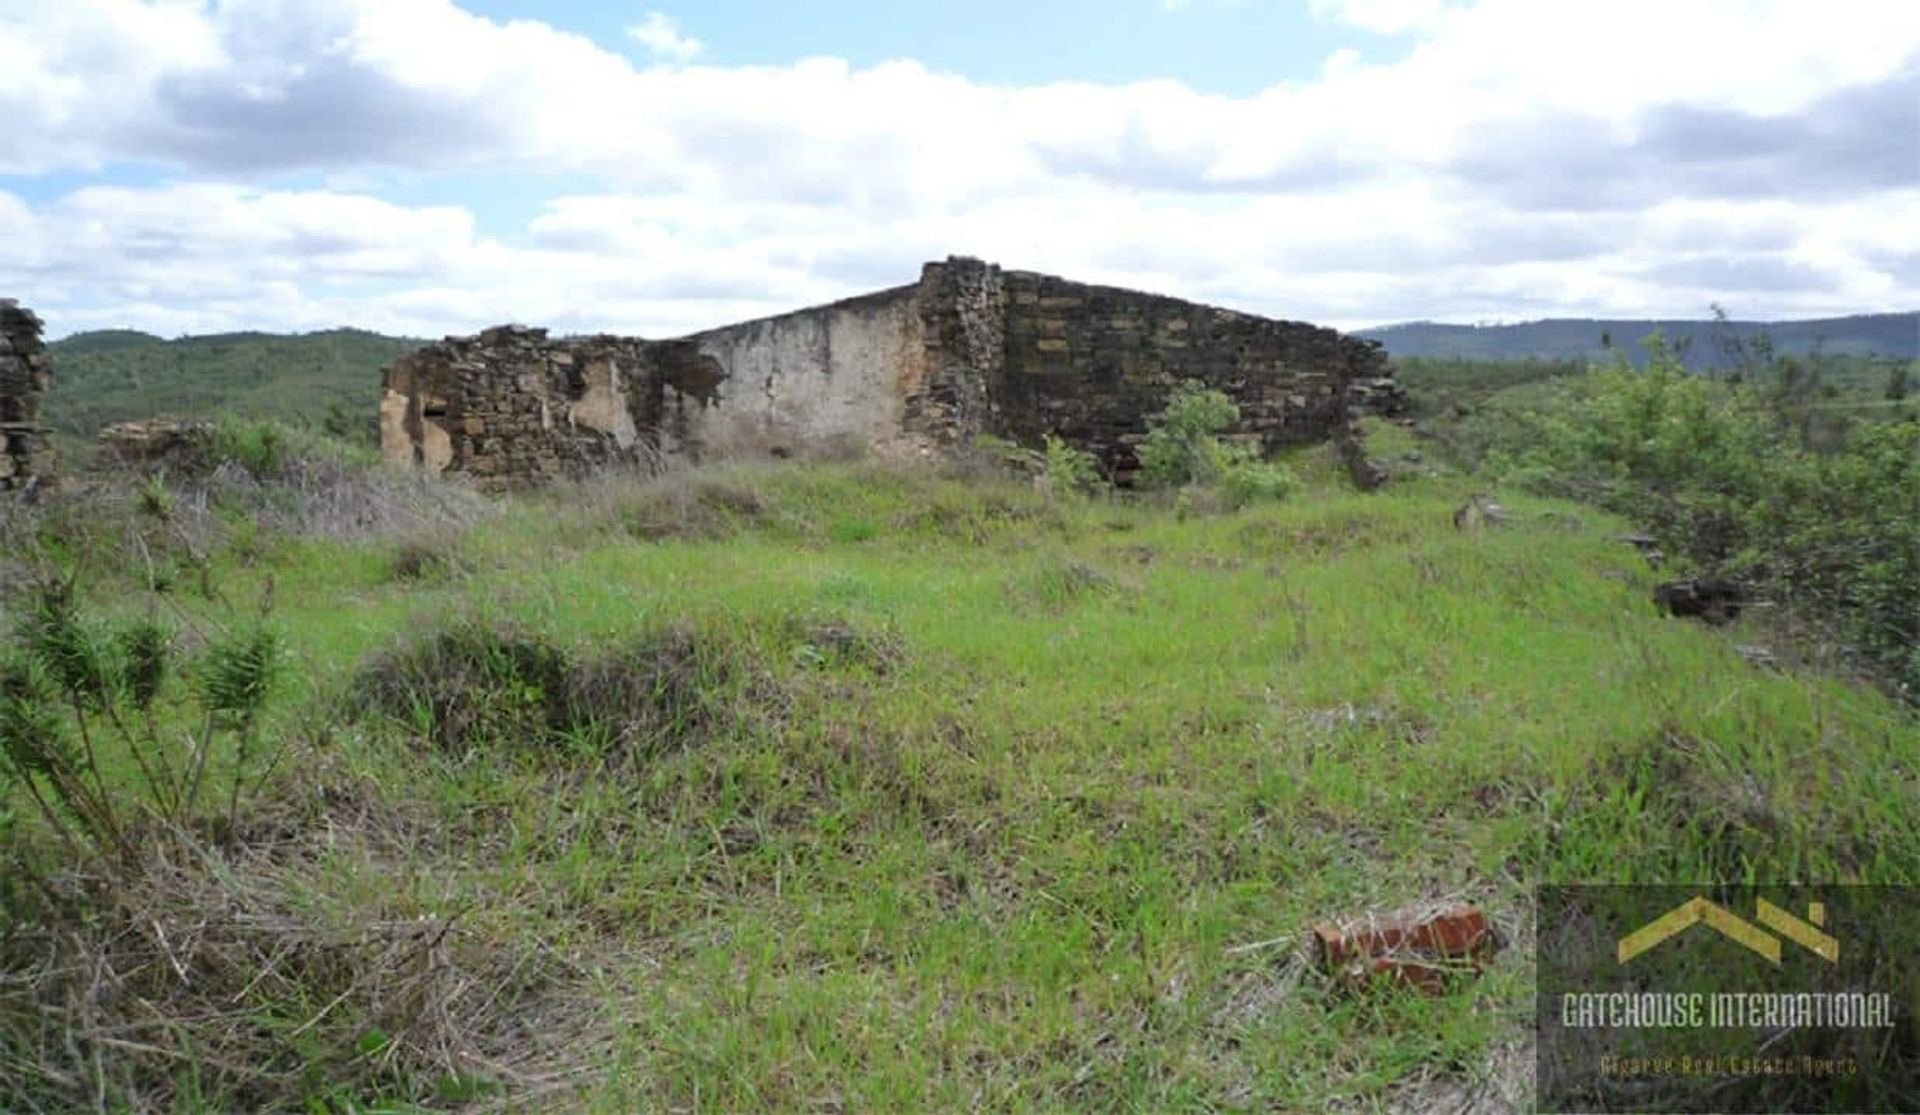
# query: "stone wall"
26,454
969,349
1093,364
510,405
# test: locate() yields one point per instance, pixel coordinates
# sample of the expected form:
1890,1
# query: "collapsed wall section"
26,373
510,405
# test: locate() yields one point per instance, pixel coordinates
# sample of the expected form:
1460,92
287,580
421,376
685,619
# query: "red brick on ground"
1418,947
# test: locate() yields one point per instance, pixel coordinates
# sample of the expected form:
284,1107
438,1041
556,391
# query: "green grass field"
904,790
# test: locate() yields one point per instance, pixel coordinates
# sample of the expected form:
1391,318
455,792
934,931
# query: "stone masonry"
26,372
1093,363
918,369
511,405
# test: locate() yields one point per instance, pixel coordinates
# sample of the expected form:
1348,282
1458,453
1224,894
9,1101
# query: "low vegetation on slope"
848,787
1814,512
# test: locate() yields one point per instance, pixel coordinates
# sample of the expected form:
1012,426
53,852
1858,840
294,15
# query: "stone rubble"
153,441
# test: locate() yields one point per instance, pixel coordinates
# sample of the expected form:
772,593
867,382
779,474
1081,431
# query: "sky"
425,167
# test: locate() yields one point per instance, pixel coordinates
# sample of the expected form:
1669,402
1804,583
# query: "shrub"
1184,449
1069,471
155,500
999,451
1183,444
431,557
1719,474
1248,482
841,644
473,685
1059,467
192,981
262,448
682,504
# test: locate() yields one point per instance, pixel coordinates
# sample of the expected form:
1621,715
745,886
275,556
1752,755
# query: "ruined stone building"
25,375
968,349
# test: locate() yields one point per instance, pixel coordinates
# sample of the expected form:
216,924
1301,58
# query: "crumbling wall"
26,373
510,405
969,349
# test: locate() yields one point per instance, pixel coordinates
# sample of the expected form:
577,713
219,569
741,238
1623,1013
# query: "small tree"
1184,448
1183,444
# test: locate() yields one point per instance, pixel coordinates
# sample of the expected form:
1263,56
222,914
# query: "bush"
1717,472
472,686
1183,444
283,479
1002,453
262,448
1184,450
1061,468
428,558
1250,482
1069,471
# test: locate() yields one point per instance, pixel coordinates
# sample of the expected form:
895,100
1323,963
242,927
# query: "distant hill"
114,375
1882,335
106,340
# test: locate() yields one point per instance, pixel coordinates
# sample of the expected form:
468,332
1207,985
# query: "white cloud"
1511,163
661,35
1344,60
